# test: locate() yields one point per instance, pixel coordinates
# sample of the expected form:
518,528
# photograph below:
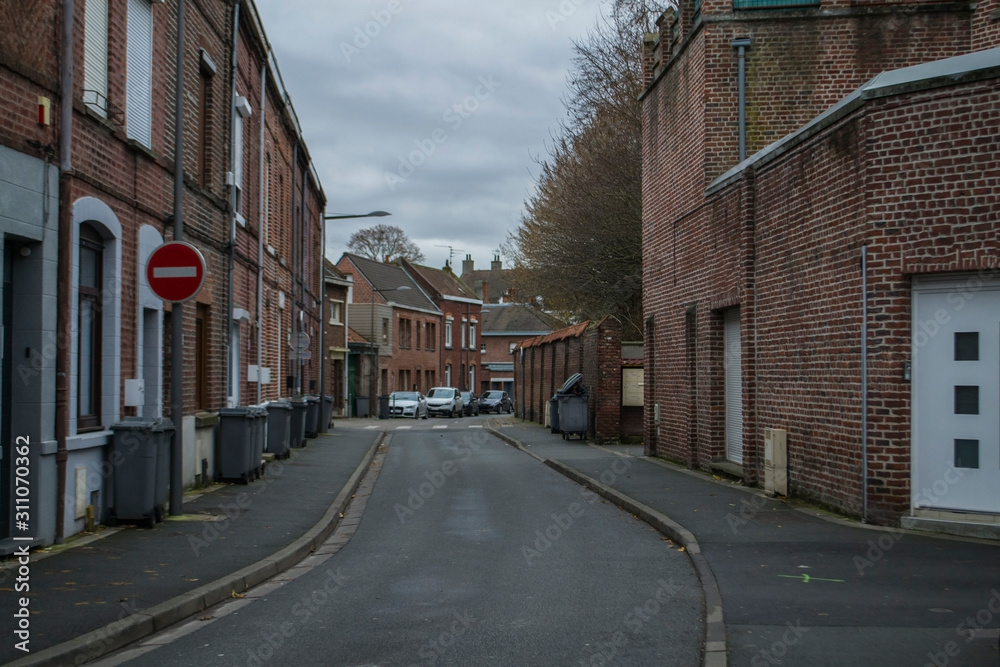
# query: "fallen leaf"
237,595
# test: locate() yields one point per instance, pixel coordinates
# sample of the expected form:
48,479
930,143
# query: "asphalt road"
469,553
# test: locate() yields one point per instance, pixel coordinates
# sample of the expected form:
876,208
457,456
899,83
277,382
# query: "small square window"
966,453
966,400
966,346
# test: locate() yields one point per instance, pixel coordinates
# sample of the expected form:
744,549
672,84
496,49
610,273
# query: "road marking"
475,425
434,427
368,428
806,578
403,428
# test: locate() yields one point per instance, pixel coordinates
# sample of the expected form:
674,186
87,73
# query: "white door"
956,395
734,386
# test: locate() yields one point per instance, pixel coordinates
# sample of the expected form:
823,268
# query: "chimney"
497,265
486,292
468,266
388,259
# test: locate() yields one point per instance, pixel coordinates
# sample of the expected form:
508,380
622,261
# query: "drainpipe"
260,236
741,46
302,268
177,313
228,316
864,384
65,256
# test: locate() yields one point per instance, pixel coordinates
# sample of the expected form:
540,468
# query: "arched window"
90,338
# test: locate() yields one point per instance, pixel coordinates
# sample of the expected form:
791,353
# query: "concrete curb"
716,653
119,634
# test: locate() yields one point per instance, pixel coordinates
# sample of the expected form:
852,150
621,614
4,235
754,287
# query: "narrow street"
469,552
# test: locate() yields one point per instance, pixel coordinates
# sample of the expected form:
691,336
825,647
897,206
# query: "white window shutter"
95,79
139,91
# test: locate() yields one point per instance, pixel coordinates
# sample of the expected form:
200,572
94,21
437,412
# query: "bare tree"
579,244
383,241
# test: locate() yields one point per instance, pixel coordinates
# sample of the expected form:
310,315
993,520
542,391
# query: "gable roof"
443,281
574,331
387,278
509,319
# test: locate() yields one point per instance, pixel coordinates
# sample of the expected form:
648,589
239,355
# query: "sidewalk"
799,586
99,594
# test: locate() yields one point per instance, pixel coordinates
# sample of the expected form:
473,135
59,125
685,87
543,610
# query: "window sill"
138,147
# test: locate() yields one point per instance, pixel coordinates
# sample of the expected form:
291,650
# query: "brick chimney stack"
486,292
496,265
468,266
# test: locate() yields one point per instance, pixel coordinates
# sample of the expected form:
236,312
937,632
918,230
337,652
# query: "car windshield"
466,395
441,392
494,394
404,396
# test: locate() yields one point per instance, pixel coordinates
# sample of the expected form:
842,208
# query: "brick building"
794,289
460,307
336,340
87,166
505,325
389,309
492,284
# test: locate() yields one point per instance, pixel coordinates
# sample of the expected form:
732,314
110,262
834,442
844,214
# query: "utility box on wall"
775,461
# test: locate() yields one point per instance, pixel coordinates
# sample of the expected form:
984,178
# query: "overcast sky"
436,113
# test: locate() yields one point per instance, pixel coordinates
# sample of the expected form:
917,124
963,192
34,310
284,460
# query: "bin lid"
135,424
238,411
279,405
570,383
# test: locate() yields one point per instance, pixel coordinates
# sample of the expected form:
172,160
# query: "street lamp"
322,296
374,353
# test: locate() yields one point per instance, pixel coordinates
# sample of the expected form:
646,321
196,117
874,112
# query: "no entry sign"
175,271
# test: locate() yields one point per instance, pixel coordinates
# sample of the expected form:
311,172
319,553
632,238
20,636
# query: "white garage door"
956,395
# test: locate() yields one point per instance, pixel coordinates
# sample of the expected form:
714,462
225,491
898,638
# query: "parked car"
445,401
496,401
407,404
471,403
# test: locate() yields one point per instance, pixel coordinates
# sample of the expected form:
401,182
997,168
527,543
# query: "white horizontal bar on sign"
175,271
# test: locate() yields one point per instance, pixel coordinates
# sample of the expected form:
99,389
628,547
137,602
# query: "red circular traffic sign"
175,271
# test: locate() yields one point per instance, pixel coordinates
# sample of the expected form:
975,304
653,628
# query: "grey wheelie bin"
136,449
297,437
573,415
259,436
279,426
554,414
163,429
325,414
235,445
312,416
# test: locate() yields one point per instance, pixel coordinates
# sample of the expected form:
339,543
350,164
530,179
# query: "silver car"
445,401
407,404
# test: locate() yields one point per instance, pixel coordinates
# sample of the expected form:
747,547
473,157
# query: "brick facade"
780,239
118,184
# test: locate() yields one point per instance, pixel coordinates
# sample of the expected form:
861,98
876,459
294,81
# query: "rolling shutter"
139,91
734,387
95,75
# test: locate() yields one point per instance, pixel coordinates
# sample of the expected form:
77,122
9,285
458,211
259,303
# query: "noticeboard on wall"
632,386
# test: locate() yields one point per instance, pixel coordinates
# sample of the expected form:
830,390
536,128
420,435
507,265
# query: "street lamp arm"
373,214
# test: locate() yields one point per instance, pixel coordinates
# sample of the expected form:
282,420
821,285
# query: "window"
95,55
207,70
336,312
482,349
448,332
139,70
472,335
431,337
420,325
464,322
241,112
405,333
90,338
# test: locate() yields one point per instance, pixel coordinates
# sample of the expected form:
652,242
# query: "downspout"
302,270
177,313
260,237
322,322
864,384
65,255
228,316
741,45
